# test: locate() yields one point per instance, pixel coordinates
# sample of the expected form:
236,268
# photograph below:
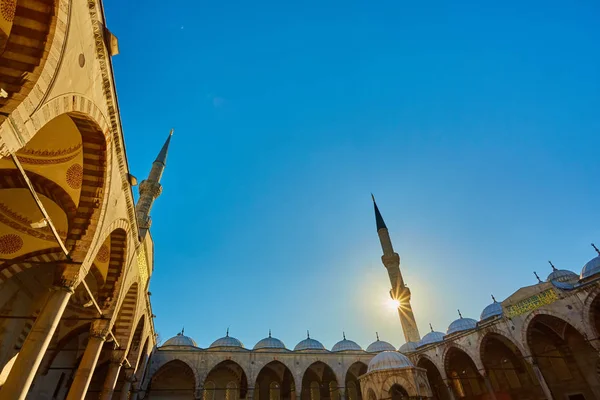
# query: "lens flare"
393,304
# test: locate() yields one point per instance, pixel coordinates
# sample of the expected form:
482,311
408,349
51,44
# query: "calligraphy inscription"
532,303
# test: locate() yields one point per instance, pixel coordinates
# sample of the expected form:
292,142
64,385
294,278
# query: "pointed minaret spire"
552,265
150,189
595,248
399,292
378,218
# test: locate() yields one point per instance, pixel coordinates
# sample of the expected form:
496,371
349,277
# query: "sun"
393,304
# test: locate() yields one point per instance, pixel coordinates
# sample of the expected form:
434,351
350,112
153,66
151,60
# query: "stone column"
116,361
26,365
541,380
449,390
83,375
488,385
250,393
139,376
129,378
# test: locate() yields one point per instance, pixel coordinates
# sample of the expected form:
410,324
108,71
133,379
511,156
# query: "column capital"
117,357
67,275
100,329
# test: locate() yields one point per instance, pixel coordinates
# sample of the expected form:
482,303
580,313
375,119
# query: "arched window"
232,391
209,391
274,392
315,391
372,395
333,391
351,393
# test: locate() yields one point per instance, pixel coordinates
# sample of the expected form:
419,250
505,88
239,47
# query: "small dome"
379,346
180,340
564,285
492,310
346,345
562,275
431,337
461,324
591,268
227,341
389,360
309,344
408,347
269,343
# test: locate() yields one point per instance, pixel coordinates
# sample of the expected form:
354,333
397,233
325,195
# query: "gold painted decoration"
142,265
103,254
534,302
7,9
10,243
74,176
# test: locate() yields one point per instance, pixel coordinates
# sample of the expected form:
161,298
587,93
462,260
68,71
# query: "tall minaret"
400,292
151,188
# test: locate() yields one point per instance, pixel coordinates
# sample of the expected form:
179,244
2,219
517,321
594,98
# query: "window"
209,391
315,391
274,392
232,392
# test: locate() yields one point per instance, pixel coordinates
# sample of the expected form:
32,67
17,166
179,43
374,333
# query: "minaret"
150,189
391,261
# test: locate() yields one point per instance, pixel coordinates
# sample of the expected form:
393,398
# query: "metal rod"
89,292
38,202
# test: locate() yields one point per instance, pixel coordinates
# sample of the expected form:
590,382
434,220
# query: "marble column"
26,365
83,375
488,385
129,378
114,367
139,376
449,389
541,380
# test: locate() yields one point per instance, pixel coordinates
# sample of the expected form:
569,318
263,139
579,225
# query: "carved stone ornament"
67,275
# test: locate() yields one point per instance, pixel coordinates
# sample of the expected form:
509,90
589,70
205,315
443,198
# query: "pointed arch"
173,380
275,375
124,322
223,375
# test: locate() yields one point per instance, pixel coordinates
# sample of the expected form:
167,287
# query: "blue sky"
476,126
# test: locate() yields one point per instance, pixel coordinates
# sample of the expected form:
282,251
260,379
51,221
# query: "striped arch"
116,266
577,325
124,322
440,368
43,25
135,348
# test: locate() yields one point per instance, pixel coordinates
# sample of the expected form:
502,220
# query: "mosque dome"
346,345
309,344
461,324
379,346
591,268
562,275
492,310
408,347
180,340
431,337
389,360
270,343
227,341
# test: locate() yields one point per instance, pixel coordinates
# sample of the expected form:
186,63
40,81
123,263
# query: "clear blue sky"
477,127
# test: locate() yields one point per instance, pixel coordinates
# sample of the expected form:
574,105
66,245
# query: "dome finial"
307,334
552,265
537,276
430,327
494,299
459,314
227,334
377,335
269,332
595,248
344,335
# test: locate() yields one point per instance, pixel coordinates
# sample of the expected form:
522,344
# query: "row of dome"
560,277
273,343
